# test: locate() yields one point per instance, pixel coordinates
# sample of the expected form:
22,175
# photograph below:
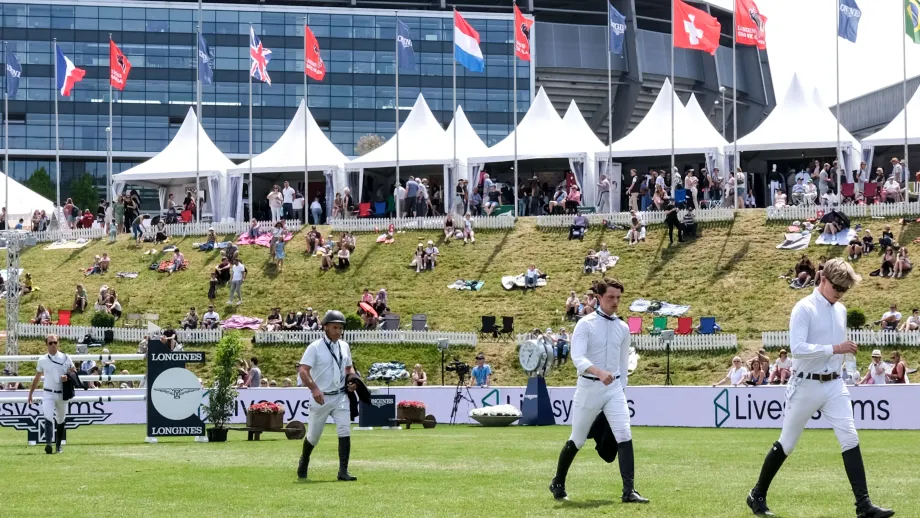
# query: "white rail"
78,233
695,342
75,357
625,218
370,336
120,334
433,223
878,210
83,377
777,339
201,228
80,399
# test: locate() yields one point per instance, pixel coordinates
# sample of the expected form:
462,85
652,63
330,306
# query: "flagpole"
736,160
6,147
839,160
904,95
251,193
514,104
396,106
200,127
673,90
306,134
57,135
454,163
108,158
610,116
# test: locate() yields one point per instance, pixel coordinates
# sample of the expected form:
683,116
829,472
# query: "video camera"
462,369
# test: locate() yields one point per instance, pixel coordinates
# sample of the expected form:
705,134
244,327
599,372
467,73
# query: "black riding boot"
757,498
304,459
566,456
58,437
627,472
344,453
856,473
49,434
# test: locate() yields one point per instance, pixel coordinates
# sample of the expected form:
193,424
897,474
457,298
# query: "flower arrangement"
411,404
266,408
495,411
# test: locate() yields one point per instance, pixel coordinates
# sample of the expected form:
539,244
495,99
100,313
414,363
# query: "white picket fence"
625,218
120,334
370,337
236,228
878,210
715,342
50,236
780,339
434,223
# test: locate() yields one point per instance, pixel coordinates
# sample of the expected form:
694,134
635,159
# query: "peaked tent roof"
893,133
468,141
541,134
287,154
652,137
799,122
23,201
576,124
701,121
422,141
177,160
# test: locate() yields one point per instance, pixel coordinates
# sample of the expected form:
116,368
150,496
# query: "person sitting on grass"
736,374
223,270
170,338
804,272
42,316
571,306
291,322
887,238
579,227
210,320
890,319
178,262
210,241
867,245
902,265
688,223
380,302
854,249
449,227
80,299
161,232
26,287
431,255
112,305
274,320
782,368
344,257
231,252
191,319
326,261
591,261
562,346
468,235
314,240
349,241
369,320
603,257
912,323
254,229
531,276
636,232
310,320
95,268
104,262
888,263
418,260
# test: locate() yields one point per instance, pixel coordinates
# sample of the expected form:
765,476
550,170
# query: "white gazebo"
22,201
893,135
173,170
579,130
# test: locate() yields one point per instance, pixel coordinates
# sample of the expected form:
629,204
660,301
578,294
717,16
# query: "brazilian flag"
912,19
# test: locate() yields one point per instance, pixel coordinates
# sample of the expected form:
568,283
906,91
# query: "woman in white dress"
690,183
736,374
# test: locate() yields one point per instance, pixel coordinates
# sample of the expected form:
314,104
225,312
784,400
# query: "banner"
313,64
404,49
119,67
750,24
885,407
521,35
616,29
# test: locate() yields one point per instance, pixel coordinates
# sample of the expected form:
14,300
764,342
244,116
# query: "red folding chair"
63,317
364,210
684,326
848,192
635,325
870,191
185,216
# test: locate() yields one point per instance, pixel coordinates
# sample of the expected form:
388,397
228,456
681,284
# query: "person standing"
237,276
411,194
317,210
603,195
817,331
275,202
55,365
600,353
287,201
323,369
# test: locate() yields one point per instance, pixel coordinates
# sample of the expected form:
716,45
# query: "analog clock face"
531,355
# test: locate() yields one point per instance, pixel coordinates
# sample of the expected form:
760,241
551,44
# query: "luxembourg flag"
466,45
67,74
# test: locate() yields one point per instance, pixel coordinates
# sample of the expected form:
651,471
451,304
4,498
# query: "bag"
75,212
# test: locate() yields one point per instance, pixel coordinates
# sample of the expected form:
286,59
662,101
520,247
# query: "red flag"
521,35
313,64
750,25
119,67
695,29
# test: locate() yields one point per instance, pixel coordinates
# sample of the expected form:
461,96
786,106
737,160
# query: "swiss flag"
695,29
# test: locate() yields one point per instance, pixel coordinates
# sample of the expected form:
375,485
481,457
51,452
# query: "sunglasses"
52,343
839,289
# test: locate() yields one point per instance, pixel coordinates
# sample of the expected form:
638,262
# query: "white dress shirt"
287,195
603,342
814,328
53,367
327,361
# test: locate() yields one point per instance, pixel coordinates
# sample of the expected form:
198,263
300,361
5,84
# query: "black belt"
335,393
819,377
592,378
53,391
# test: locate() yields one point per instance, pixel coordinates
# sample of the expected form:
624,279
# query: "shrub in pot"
222,396
353,322
102,319
855,318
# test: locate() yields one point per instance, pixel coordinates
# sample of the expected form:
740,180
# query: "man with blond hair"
817,332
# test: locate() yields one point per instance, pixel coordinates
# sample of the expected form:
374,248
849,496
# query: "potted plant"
412,411
265,415
222,396
102,319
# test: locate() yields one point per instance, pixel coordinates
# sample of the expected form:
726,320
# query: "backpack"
75,212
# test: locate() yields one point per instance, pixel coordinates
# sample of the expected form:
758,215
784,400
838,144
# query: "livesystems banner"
886,407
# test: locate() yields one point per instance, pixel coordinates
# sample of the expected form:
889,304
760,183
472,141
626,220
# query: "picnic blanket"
659,307
611,262
164,266
510,282
841,238
795,241
389,370
241,322
263,239
461,284
65,244
127,275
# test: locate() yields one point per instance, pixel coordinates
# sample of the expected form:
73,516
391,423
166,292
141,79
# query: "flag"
119,67
617,29
750,24
13,73
466,45
205,73
848,17
695,29
521,35
259,57
911,20
67,74
313,64
404,47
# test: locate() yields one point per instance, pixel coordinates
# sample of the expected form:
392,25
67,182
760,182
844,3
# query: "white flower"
492,411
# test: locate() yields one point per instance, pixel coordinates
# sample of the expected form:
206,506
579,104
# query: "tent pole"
251,193
6,149
607,169
396,109
108,158
904,94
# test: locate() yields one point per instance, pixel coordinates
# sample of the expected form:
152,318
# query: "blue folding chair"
380,208
680,196
707,326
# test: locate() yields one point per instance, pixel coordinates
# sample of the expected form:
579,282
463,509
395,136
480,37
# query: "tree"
41,183
368,143
83,192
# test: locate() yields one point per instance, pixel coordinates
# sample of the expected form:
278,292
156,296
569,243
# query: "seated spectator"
101,298
380,303
26,287
688,224
210,241
572,200
161,232
108,366
369,320
798,192
170,339
831,228
579,227
419,378
779,199
876,374
85,221
449,229
326,261
912,323
889,260
431,255
603,256
492,202
571,306
95,268
736,374
42,316
310,320
890,319
223,270
210,320
854,248
191,319
659,198
314,240
531,276
589,304
418,259
349,241
178,262
782,368
821,260
902,265
636,232
749,202
591,261
557,204
756,375
887,238
263,383
87,366
804,271
80,299
231,252
468,235
366,297
142,345
868,246
562,346
344,258
898,372
287,383
104,262
255,230
811,192
274,320
291,322
891,192
113,306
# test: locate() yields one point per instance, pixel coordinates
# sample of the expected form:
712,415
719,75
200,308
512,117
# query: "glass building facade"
355,98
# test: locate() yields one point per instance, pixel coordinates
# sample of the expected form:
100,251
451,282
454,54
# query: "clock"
532,355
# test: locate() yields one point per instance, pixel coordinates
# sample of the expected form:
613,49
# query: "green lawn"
447,471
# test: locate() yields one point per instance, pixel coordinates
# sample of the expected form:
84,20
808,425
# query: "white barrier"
102,378
82,399
877,210
75,357
78,233
236,228
624,218
776,339
714,342
370,336
121,334
432,223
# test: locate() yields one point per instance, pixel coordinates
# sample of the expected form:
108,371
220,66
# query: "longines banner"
882,407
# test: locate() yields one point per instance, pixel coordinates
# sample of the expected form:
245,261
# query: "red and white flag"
313,64
119,67
750,24
695,29
521,35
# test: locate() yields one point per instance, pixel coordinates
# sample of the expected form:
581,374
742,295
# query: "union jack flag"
259,58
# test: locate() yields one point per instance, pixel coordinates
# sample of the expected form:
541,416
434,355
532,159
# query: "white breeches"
53,407
804,398
592,398
338,407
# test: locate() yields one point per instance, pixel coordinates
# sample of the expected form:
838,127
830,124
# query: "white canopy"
23,201
893,133
468,141
578,128
798,122
701,122
541,134
287,154
176,163
422,141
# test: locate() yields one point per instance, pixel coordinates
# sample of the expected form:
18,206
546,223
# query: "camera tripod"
459,395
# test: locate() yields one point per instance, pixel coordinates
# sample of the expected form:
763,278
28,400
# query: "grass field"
447,471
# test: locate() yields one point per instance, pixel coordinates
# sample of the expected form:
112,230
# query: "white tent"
468,141
701,123
23,201
578,129
893,133
173,169
422,141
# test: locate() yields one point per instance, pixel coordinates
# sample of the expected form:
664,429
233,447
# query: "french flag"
67,74
466,45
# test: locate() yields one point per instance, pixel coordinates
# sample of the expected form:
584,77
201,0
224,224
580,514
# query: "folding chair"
380,209
419,322
63,317
133,320
684,326
707,326
659,324
391,322
848,192
870,192
364,210
680,196
488,326
635,325
507,329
